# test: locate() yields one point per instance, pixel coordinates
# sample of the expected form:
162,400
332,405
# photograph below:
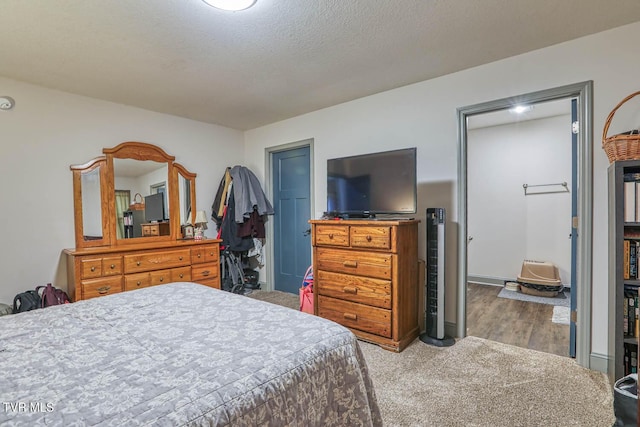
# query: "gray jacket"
248,193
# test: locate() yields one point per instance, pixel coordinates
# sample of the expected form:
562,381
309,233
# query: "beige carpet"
478,382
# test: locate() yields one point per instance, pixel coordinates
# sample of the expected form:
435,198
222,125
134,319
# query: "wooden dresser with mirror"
129,206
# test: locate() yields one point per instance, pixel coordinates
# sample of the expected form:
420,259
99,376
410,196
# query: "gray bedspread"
180,354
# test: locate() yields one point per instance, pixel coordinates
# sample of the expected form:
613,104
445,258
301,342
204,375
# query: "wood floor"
519,323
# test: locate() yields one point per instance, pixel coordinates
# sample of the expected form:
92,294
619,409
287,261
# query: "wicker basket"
138,203
623,146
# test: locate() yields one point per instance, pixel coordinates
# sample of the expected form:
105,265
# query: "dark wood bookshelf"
621,346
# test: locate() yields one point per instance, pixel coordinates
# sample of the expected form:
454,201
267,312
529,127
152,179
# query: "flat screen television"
154,208
370,184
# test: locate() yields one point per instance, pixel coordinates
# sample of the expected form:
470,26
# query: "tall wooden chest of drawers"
366,278
98,271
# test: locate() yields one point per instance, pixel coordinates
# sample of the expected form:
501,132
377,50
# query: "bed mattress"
180,354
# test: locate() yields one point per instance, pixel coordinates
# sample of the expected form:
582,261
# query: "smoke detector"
6,103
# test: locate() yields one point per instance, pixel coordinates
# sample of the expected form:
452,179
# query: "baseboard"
487,280
599,362
265,287
498,281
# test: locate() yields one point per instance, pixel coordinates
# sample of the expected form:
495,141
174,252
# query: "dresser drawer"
136,281
112,266
364,290
332,235
160,277
91,267
202,272
202,254
357,316
377,265
148,261
100,287
98,267
370,237
212,283
181,274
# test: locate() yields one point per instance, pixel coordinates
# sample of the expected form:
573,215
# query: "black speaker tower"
435,284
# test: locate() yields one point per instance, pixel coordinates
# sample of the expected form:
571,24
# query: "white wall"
45,133
508,227
424,115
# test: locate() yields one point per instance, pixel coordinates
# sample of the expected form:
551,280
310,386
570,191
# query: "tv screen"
376,183
154,208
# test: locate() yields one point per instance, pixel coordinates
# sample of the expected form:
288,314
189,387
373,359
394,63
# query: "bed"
181,354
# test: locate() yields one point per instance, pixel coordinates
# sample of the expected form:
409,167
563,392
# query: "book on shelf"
630,312
633,259
632,315
629,201
631,197
626,253
625,315
630,359
630,259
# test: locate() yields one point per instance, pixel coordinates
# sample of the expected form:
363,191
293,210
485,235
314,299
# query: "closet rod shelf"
527,192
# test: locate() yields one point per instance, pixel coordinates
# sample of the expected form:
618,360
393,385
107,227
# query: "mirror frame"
137,151
188,176
78,214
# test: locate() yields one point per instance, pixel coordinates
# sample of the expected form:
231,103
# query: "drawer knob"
162,279
138,263
206,273
93,269
180,258
138,283
103,290
350,316
199,255
181,275
113,266
350,289
353,264
331,235
368,238
210,253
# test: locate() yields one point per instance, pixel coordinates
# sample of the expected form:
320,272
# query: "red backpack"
52,296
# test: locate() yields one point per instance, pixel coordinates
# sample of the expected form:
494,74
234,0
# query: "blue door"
574,224
291,200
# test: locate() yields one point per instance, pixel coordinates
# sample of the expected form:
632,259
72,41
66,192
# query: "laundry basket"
540,278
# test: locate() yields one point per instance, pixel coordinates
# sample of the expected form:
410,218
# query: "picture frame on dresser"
187,231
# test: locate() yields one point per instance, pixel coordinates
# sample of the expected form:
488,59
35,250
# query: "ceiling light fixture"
232,5
519,109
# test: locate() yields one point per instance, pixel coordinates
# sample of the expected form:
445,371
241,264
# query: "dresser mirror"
88,181
186,194
135,180
133,194
91,205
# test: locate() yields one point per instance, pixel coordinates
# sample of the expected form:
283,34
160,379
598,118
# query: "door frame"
269,247
584,92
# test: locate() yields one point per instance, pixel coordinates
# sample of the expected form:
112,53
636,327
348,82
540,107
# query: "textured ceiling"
280,58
